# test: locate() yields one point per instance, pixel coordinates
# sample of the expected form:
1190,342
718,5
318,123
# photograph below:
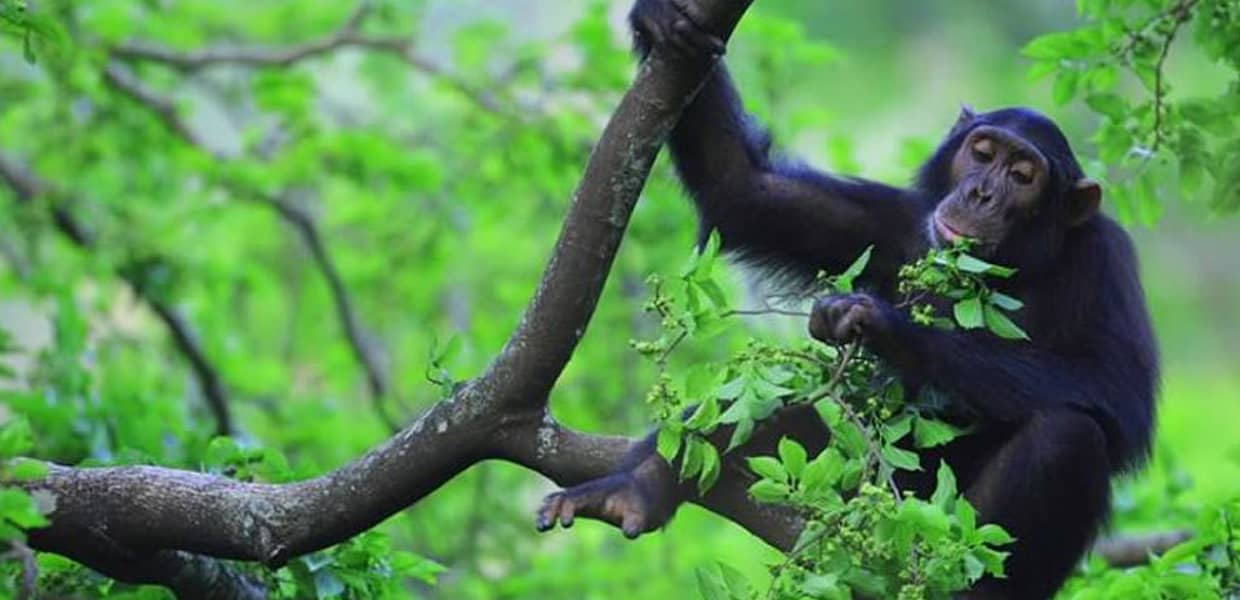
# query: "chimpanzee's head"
1008,180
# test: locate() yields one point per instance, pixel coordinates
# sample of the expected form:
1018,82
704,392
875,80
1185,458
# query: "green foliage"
954,274
1146,128
1205,566
437,187
863,535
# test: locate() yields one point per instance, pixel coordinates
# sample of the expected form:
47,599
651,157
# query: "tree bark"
158,525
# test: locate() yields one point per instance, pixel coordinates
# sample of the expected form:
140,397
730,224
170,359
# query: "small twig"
367,352
1135,550
122,79
27,587
1180,13
765,311
348,35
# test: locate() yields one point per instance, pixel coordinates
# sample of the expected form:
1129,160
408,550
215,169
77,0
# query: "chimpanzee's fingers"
548,512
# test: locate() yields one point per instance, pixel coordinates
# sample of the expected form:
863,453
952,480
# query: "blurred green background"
438,185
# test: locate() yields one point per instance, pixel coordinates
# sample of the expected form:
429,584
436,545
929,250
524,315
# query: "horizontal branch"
265,56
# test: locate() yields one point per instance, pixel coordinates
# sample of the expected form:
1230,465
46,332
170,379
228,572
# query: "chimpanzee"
1059,414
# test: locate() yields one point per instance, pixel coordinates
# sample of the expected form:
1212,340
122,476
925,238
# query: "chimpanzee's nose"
980,194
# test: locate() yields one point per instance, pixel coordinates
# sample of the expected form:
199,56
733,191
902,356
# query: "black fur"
1059,415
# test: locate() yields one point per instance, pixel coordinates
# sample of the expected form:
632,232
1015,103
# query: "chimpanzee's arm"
783,215
1001,380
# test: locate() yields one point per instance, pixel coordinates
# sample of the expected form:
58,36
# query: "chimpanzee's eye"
983,151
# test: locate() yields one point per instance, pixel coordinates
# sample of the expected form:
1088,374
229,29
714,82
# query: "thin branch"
1180,13
765,311
366,350
122,79
27,186
1135,550
348,35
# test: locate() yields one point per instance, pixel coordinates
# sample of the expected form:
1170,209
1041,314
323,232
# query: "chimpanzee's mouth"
947,232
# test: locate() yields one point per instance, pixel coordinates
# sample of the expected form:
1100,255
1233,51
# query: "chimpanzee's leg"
1049,487
645,491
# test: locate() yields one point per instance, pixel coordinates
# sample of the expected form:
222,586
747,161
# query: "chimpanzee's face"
999,179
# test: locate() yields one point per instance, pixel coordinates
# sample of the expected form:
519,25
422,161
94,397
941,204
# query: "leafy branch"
863,534
1138,138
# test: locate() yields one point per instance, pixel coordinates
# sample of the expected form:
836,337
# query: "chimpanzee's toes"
614,499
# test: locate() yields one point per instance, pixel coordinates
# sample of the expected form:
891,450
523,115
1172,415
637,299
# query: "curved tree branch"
102,515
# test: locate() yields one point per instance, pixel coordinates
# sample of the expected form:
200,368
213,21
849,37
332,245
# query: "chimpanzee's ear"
966,118
1086,195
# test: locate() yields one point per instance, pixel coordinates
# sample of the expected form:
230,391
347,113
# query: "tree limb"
1135,550
26,187
260,56
137,511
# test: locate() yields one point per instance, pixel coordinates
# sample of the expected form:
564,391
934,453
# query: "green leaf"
972,264
26,469
668,443
966,517
710,468
769,491
928,433
793,457
16,438
711,585
844,282
28,48
691,462
741,434
823,471
705,416
767,467
895,429
737,583
1004,301
999,324
1065,87
19,508
900,458
968,312
1108,104
945,487
994,535
850,439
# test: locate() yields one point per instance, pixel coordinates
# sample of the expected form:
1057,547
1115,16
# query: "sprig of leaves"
1142,137
863,534
954,274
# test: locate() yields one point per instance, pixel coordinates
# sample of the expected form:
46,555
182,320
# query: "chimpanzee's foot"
615,499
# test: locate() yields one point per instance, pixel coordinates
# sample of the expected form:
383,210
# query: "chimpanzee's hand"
842,318
671,24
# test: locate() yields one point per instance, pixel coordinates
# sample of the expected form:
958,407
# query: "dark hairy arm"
999,380
777,214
